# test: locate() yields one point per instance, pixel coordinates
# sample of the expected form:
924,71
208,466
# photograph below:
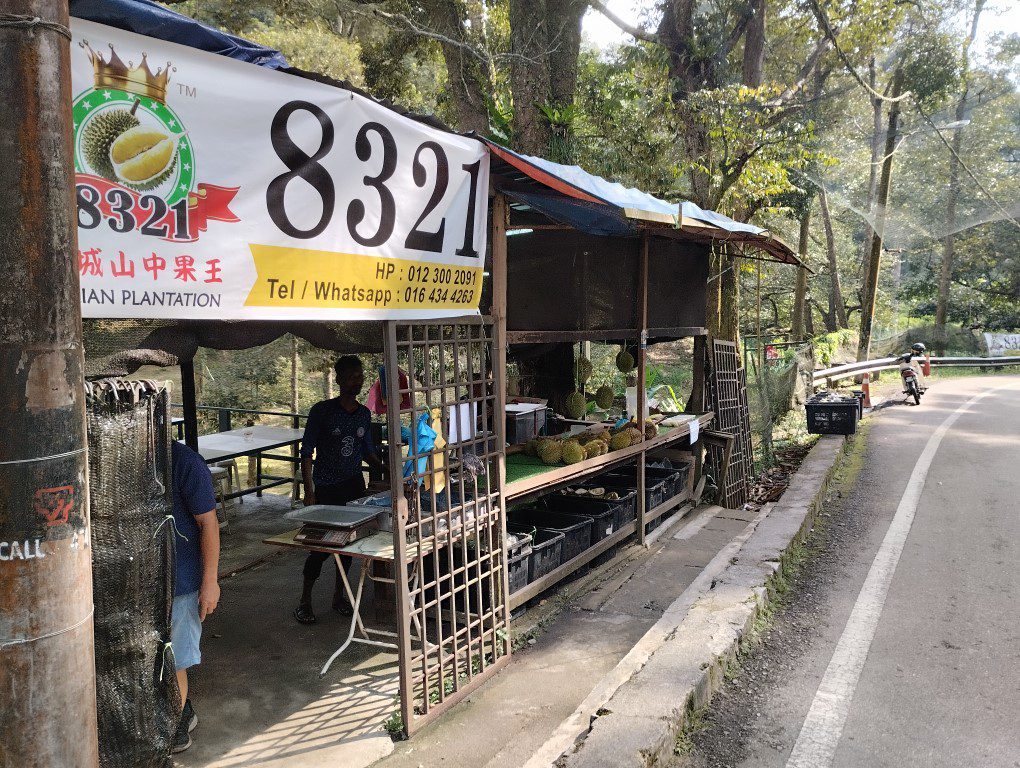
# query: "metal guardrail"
889,363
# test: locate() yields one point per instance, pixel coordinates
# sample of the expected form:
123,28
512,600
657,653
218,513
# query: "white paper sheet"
468,417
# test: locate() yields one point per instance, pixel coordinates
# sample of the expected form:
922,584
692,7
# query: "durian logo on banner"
210,188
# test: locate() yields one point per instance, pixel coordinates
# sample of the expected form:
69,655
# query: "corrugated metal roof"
575,182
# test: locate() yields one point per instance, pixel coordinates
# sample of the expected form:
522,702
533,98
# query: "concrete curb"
640,722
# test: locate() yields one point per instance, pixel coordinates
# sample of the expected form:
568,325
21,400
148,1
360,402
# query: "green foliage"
313,47
827,347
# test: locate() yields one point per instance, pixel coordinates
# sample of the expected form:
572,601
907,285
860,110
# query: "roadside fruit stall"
482,518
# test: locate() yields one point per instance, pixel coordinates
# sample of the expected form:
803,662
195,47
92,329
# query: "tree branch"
635,32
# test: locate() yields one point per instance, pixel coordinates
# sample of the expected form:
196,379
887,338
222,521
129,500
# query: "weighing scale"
332,526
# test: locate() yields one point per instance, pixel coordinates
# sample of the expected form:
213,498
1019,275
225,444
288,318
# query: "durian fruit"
584,369
650,430
572,452
593,449
604,397
550,452
625,361
531,447
575,405
635,435
143,157
620,440
98,136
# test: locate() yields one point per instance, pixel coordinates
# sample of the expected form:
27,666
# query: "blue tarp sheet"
623,197
147,18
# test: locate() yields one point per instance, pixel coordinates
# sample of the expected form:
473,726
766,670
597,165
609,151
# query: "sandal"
304,614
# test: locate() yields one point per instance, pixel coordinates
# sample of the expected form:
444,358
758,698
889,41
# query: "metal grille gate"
728,396
449,524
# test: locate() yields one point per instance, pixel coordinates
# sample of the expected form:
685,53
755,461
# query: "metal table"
375,548
224,446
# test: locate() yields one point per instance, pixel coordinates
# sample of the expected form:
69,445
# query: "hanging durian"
584,369
625,361
575,405
604,397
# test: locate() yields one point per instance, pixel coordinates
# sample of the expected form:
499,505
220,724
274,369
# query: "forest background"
881,138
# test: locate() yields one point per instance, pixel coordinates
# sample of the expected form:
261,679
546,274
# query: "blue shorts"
186,631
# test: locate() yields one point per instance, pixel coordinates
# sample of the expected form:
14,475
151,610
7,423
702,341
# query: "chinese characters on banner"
231,191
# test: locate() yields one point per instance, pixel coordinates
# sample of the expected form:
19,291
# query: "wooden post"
500,220
189,403
399,506
639,416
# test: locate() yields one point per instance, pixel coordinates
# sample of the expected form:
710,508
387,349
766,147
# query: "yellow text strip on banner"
298,277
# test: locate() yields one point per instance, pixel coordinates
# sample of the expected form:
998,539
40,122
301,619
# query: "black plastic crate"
655,490
576,529
546,550
674,478
620,511
517,571
602,514
832,417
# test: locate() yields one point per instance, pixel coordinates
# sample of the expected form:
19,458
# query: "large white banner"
1001,344
211,188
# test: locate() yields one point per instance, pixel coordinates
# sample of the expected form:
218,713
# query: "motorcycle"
911,386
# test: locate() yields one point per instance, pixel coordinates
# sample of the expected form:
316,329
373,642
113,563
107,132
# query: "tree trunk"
875,256
754,45
877,134
836,306
729,298
529,75
797,324
946,276
467,74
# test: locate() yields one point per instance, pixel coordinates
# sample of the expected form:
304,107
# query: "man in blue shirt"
196,589
337,433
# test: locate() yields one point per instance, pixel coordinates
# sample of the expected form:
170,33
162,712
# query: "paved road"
901,643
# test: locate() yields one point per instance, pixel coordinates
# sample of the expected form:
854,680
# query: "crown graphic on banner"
140,80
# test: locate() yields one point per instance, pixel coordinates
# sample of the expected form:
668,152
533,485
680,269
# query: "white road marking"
823,726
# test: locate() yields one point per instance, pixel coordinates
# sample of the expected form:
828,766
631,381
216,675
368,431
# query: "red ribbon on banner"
209,203
130,210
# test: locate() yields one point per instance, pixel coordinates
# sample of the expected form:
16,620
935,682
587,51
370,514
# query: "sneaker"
189,716
182,739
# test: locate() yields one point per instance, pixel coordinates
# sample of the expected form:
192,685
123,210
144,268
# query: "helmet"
918,347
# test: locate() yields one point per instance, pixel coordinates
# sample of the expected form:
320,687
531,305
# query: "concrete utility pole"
47,665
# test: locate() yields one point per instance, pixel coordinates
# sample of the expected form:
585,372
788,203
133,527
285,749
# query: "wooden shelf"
666,506
536,588
555,478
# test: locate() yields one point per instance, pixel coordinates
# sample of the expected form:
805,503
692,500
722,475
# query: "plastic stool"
221,486
233,476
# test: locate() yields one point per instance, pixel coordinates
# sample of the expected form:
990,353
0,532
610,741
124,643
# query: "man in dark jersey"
337,433
196,589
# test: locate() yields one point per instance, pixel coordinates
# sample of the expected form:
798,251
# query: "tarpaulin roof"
152,20
590,196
